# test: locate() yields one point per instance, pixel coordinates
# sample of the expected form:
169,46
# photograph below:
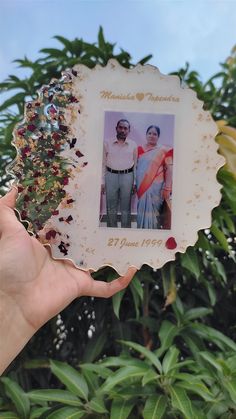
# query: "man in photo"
119,164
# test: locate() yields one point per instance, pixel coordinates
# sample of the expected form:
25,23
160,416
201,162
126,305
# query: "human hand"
34,286
103,189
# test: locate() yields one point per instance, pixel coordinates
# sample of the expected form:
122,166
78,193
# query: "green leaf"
137,287
195,313
220,270
145,59
193,341
178,309
67,413
120,409
197,388
155,407
144,351
116,302
211,292
101,40
54,52
230,384
18,397
225,217
120,361
189,260
37,412
219,235
231,363
8,415
14,100
92,380
170,359
135,390
60,396
123,374
212,360
217,410
137,292
181,401
150,375
136,301
71,378
97,405
99,369
65,42
214,335
167,333
94,347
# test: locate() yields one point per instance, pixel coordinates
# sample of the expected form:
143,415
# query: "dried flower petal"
171,243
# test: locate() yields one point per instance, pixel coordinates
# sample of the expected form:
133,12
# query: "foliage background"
166,346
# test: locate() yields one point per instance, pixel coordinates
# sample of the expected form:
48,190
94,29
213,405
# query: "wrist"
15,329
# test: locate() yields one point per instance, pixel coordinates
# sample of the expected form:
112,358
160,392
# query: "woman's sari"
154,172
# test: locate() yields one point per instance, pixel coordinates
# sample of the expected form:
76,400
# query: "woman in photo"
154,181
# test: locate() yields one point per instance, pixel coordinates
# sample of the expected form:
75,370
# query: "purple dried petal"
55,212
63,128
31,127
51,153
79,154
69,219
50,234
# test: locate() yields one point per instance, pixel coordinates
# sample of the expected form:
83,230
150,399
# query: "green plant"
140,382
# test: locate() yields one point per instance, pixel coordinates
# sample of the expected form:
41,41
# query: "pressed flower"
21,131
63,128
51,153
62,248
55,212
171,243
65,181
73,99
72,142
79,154
56,136
69,219
31,127
25,151
50,234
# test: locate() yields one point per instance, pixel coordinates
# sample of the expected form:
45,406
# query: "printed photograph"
137,167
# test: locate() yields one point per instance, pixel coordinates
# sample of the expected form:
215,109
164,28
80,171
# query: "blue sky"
175,31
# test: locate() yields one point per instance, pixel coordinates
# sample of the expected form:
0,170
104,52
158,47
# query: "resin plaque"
116,167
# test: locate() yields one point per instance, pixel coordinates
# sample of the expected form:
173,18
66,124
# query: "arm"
33,286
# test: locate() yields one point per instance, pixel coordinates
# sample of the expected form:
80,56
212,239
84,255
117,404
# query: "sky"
201,32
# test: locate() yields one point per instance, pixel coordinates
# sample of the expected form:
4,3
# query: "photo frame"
64,148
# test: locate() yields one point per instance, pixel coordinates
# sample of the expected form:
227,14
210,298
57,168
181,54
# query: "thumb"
8,221
9,200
